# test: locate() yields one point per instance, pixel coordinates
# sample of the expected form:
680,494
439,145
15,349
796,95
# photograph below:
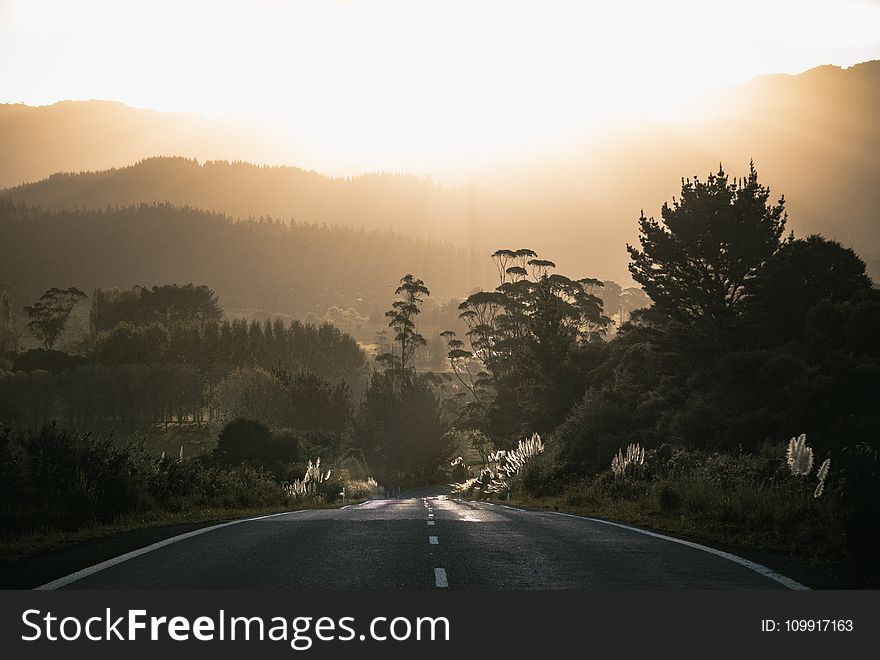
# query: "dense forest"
259,267
413,205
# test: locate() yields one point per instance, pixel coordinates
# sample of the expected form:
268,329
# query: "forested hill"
264,265
413,205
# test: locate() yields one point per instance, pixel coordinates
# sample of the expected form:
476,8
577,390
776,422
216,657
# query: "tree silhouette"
251,442
167,305
8,334
802,273
50,313
402,317
698,261
521,366
400,428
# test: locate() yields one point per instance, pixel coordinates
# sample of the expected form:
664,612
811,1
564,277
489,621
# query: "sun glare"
415,84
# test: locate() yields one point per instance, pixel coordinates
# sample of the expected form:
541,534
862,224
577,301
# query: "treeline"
406,203
213,347
122,397
163,356
165,305
294,269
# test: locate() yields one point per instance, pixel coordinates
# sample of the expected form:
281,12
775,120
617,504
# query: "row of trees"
164,356
516,335
128,396
219,346
141,397
183,324
167,305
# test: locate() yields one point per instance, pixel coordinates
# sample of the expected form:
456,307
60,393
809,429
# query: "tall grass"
747,499
502,468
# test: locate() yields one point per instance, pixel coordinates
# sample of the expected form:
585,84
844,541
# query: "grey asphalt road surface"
424,542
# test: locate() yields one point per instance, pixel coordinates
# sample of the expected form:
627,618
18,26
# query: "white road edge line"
440,578
746,563
79,575
433,540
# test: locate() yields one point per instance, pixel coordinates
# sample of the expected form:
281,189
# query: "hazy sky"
398,83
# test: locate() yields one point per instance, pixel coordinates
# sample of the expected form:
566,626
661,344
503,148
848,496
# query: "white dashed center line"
430,522
440,578
433,540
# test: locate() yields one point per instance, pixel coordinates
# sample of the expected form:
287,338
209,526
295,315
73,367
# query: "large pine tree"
698,261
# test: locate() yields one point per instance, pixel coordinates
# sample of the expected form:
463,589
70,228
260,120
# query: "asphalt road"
423,542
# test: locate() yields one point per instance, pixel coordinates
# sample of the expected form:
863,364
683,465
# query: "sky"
402,84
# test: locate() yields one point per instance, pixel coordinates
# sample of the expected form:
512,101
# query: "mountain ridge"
813,137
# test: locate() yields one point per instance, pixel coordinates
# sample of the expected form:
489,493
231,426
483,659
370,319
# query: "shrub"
247,441
64,480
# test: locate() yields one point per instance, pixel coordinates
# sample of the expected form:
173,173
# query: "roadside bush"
541,476
54,479
249,442
746,498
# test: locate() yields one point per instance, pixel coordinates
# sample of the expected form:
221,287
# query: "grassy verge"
24,546
821,566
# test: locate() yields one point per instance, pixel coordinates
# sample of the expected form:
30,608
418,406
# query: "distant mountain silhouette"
814,138
72,136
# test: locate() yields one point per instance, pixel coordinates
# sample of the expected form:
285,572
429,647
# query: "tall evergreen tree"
698,261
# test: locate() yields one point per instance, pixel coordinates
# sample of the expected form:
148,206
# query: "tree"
50,313
252,442
402,320
252,393
400,428
698,261
316,404
167,305
110,307
175,303
526,334
8,333
632,299
802,273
